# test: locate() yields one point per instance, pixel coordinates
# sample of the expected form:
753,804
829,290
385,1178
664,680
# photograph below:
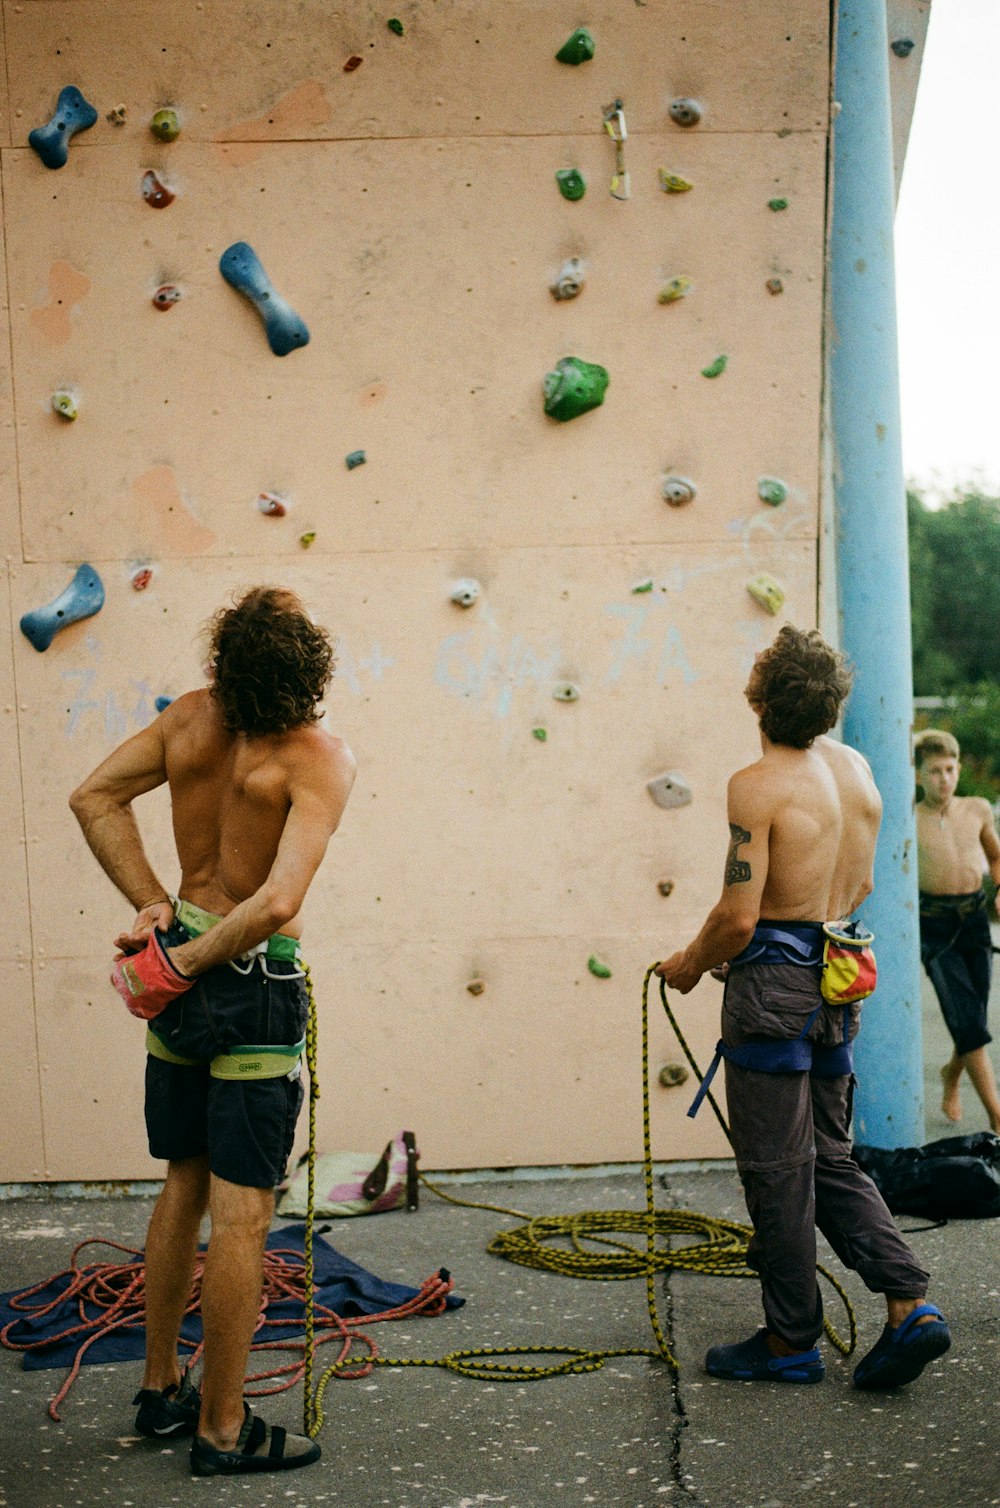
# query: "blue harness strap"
773,1055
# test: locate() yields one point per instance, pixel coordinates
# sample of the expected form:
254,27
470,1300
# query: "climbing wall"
503,874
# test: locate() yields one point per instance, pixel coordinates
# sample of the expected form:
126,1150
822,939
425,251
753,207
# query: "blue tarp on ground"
341,1285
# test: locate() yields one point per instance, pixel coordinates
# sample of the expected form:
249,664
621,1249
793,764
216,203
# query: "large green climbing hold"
715,368
771,491
597,968
574,387
571,184
579,48
767,592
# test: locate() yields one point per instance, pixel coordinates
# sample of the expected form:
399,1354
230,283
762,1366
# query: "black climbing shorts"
246,1128
956,949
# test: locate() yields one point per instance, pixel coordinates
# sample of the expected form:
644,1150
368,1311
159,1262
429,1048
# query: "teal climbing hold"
715,368
165,125
574,387
355,458
161,703
777,204
51,141
598,968
81,599
571,184
578,48
395,25
242,269
771,491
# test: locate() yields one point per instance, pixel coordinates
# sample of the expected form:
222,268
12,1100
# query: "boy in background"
956,840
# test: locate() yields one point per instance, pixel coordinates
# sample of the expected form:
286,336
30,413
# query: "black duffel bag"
957,1178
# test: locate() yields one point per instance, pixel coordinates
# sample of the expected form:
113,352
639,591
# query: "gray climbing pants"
792,1143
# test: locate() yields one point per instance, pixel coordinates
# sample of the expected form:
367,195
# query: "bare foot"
951,1103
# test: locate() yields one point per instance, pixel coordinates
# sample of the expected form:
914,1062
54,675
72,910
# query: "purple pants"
791,1138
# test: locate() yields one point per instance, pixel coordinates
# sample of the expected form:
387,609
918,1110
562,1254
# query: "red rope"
118,1292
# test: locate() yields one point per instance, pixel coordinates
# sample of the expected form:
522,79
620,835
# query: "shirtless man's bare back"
803,823
956,837
257,788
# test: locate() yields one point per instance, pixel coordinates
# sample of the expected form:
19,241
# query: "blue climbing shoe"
751,1361
900,1355
172,1411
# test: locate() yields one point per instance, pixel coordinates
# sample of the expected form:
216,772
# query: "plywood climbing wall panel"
408,210
400,339
256,72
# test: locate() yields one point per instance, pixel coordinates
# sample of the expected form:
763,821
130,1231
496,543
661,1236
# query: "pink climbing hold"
272,505
155,191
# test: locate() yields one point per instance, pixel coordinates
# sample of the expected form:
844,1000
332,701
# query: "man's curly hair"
797,687
269,665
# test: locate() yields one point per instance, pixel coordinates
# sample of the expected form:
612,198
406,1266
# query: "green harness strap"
245,1062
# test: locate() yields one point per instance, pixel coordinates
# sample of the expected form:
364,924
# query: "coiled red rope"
110,1298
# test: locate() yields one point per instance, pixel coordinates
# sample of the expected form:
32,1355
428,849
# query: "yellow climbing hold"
673,183
770,594
678,287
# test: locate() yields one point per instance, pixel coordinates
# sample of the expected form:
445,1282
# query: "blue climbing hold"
82,599
241,267
162,703
51,141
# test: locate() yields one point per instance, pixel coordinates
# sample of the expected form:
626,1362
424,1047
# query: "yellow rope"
718,1249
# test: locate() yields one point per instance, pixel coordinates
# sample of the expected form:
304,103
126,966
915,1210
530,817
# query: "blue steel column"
872,561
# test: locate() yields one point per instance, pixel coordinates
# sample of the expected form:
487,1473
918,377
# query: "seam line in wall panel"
27,884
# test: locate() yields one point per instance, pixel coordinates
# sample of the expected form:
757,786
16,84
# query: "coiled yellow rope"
720,1252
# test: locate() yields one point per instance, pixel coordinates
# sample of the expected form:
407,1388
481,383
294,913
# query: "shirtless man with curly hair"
257,788
803,821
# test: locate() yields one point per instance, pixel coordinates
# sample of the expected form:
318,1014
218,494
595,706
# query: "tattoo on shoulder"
737,870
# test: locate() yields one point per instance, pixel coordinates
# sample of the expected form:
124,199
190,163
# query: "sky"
948,256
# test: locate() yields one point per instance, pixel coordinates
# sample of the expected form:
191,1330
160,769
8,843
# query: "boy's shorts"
957,952
245,1127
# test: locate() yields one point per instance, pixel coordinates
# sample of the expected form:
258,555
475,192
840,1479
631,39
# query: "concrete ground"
625,1435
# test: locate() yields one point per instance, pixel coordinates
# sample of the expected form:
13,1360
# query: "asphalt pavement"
630,1434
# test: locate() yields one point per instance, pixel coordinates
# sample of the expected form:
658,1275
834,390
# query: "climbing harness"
720,1252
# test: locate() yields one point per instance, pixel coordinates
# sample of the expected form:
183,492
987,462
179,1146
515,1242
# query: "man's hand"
154,917
678,973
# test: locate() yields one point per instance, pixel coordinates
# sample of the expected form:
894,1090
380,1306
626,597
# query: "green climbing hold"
574,387
771,491
767,592
646,585
777,204
395,25
540,733
306,539
579,48
715,368
571,184
165,125
597,968
674,289
673,183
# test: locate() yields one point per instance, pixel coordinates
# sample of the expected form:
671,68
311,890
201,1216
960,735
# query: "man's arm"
991,848
319,790
730,924
102,804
